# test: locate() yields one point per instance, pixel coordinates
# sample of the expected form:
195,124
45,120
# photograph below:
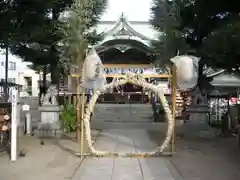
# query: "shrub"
68,118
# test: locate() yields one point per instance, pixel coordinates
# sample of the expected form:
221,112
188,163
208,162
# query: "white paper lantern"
92,65
187,71
93,76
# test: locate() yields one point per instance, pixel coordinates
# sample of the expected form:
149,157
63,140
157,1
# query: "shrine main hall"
126,47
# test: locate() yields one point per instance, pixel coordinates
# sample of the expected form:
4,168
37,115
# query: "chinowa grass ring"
134,79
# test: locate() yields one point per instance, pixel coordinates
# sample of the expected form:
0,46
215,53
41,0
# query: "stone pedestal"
49,126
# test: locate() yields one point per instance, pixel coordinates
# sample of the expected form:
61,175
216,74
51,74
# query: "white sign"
25,107
14,125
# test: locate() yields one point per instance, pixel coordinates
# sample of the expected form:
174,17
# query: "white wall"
20,66
35,82
19,73
22,81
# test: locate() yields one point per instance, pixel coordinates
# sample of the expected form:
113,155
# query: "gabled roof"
123,27
123,45
209,72
226,80
221,78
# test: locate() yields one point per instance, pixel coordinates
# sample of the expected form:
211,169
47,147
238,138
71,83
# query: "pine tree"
78,29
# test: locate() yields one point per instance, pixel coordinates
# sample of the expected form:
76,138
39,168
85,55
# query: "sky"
134,10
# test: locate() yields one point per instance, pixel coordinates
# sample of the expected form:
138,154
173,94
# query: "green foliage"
68,118
165,14
167,20
30,30
18,19
77,29
223,46
208,28
37,68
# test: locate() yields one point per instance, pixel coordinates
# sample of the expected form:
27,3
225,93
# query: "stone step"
123,105
129,125
122,120
125,108
123,113
120,116
120,111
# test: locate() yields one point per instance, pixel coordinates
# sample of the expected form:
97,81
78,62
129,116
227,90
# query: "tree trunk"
55,76
79,58
6,76
200,77
44,79
54,69
43,85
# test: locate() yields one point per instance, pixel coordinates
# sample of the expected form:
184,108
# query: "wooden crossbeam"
122,75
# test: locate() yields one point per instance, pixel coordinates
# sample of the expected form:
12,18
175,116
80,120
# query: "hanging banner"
144,71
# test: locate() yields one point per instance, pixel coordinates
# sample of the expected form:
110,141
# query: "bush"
68,118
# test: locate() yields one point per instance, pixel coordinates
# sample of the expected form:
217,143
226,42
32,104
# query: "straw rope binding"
136,80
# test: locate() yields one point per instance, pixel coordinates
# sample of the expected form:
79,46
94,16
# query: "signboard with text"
154,71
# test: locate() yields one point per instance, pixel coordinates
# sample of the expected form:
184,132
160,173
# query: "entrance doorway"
125,94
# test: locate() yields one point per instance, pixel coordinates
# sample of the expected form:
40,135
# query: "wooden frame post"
78,106
82,124
174,91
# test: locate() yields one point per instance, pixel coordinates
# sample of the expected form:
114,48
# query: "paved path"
55,160
120,140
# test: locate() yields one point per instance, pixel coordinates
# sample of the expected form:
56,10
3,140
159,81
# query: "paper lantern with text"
187,71
93,75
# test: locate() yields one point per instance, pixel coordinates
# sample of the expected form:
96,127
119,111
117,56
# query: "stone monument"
50,126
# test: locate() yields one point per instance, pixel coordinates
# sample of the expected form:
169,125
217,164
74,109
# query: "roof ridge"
122,21
216,73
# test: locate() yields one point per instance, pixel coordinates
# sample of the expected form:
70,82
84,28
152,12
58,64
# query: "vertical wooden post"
174,91
82,124
74,99
65,100
78,105
69,89
142,95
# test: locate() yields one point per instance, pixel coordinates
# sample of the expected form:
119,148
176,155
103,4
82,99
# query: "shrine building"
126,47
